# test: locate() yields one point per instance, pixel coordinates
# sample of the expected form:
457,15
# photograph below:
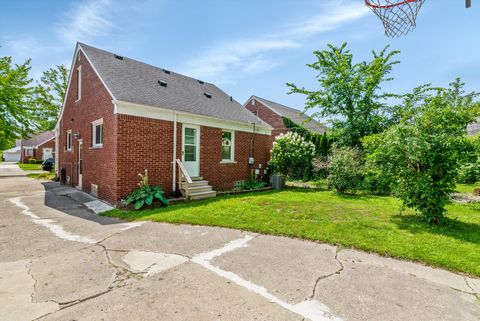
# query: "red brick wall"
222,175
268,116
99,164
49,144
145,143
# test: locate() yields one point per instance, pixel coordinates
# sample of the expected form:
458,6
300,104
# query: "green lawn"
467,188
371,223
30,167
44,176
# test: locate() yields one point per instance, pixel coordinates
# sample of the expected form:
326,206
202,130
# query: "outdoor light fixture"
77,135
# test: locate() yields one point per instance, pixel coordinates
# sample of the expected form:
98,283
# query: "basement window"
97,133
228,142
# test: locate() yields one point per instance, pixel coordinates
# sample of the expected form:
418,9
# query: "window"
97,133
28,151
69,141
228,139
79,83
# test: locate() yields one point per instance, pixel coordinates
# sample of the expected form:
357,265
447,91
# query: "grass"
30,167
43,176
370,223
467,188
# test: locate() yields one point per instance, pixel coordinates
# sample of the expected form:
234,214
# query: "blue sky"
245,46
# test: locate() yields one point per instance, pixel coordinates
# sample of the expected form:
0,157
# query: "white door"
191,149
47,153
80,164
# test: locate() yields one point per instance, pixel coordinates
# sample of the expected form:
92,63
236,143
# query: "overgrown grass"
370,223
43,176
30,167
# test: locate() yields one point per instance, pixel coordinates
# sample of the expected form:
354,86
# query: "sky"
246,47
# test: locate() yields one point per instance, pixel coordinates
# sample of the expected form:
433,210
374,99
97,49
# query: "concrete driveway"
60,261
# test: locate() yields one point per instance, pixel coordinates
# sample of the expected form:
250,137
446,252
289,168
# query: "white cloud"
238,58
332,19
234,60
86,21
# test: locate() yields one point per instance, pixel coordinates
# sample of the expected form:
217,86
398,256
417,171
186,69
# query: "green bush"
346,169
423,153
469,173
292,156
375,182
32,161
146,194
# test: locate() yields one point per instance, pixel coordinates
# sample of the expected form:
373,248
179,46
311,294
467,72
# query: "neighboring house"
13,154
272,113
40,146
122,116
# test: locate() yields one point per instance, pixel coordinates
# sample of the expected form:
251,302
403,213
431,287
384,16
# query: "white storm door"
47,153
191,149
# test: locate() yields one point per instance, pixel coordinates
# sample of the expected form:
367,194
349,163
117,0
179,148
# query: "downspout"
174,167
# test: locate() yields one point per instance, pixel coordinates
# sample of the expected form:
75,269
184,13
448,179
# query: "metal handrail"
182,173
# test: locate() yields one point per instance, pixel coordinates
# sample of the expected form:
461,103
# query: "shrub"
146,194
346,167
376,182
424,151
469,173
320,167
32,161
292,156
253,183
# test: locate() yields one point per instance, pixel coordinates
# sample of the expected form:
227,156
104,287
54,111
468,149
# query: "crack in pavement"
322,277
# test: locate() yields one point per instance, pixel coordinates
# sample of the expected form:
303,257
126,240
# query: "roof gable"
293,114
136,82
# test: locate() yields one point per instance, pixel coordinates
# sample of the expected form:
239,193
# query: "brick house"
40,146
122,116
272,113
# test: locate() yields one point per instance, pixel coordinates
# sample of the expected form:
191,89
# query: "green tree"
16,110
49,95
349,94
423,152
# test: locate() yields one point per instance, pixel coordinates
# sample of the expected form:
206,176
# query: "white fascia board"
132,109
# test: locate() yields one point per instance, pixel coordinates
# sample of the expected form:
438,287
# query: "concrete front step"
195,178
202,195
198,189
196,184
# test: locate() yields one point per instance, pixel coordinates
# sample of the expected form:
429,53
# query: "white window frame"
94,133
69,138
232,150
28,151
79,83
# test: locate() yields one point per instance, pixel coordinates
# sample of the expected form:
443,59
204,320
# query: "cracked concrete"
16,288
58,273
387,292
298,265
150,271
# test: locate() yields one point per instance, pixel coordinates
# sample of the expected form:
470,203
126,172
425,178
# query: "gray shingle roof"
136,82
38,139
293,114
